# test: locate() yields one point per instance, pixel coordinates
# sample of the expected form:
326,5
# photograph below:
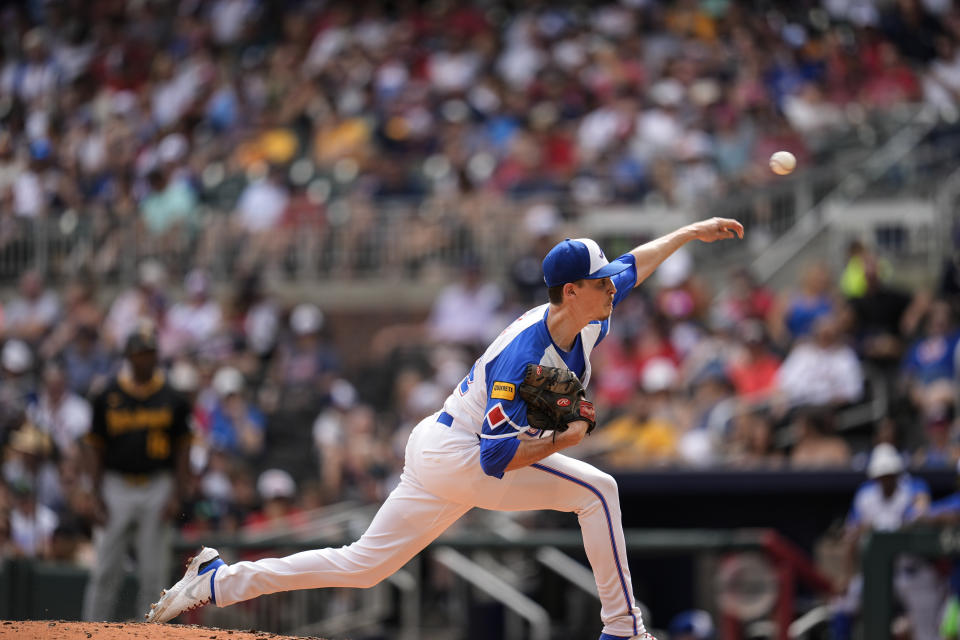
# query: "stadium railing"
41,590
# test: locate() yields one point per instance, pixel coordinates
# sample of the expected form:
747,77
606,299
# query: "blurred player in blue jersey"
945,512
889,500
479,451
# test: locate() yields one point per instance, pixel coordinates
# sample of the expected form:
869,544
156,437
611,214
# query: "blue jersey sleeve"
950,504
506,413
919,499
625,281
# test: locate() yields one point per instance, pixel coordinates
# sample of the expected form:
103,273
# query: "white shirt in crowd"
815,375
261,205
465,315
21,311
65,422
31,532
189,325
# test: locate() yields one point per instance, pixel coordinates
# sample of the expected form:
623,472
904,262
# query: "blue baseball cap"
578,259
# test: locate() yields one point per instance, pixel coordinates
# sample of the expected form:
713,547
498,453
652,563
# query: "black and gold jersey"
139,426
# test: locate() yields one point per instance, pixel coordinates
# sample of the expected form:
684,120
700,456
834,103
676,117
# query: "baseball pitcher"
495,445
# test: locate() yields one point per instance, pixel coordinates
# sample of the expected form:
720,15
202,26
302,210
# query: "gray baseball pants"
135,514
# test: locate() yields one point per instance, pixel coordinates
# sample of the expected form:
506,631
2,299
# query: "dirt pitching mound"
48,630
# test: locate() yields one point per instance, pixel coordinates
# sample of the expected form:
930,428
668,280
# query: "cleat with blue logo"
194,589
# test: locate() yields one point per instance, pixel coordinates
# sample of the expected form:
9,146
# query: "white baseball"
782,163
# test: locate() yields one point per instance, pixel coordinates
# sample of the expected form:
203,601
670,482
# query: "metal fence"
402,241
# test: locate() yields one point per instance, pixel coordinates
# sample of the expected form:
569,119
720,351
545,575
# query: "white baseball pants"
442,479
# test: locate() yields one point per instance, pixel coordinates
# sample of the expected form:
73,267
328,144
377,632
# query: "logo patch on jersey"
503,390
496,416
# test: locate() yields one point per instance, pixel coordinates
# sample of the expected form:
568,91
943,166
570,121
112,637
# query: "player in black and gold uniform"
139,440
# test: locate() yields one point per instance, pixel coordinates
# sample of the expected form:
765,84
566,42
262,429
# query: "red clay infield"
49,630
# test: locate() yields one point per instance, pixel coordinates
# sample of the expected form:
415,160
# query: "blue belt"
445,418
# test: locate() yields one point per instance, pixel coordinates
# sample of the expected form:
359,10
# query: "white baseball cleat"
194,589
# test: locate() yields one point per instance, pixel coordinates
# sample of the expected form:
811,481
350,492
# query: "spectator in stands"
279,513
169,209
810,113
31,523
67,544
710,349
878,317
464,311
213,507
941,83
751,443
540,222
940,448
712,407
306,364
236,426
948,281
86,363
60,413
798,311
254,322
191,323
258,216
822,372
754,367
16,385
912,29
817,446
329,436
35,77
928,369
890,81
680,296
31,315
853,278
30,461
743,299
40,185
147,299
80,309
648,433
362,460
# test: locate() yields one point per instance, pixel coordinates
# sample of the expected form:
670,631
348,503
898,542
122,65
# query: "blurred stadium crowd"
213,135
220,134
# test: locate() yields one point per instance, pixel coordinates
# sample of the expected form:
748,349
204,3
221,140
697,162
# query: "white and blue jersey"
872,509
487,401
